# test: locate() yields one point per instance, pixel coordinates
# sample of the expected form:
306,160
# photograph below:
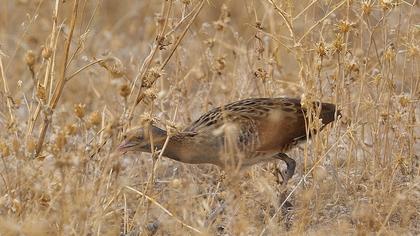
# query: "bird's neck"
185,148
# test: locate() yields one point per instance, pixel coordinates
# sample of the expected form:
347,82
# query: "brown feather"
253,129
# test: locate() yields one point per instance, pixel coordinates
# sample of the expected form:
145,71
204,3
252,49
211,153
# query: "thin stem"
82,69
60,85
7,92
140,94
164,209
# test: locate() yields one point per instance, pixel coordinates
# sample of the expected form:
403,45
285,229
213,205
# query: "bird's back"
260,124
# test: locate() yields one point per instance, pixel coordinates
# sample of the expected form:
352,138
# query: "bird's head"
140,139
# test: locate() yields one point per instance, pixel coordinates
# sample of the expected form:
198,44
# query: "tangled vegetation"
75,75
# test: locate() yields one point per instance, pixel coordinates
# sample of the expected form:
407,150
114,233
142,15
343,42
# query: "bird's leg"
291,165
287,207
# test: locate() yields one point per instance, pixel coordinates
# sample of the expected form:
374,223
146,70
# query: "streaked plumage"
238,134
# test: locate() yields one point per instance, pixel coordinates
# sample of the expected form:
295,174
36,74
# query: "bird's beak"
125,146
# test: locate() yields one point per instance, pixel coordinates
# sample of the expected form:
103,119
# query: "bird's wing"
241,118
226,125
254,108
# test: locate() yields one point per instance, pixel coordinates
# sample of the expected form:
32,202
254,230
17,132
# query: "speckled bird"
238,134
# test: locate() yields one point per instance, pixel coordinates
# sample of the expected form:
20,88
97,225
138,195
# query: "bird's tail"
328,113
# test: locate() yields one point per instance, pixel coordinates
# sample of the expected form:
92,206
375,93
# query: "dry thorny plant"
76,75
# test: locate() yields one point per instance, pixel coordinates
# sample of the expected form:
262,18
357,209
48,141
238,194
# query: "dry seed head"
146,119
338,43
114,66
389,53
258,25
376,79
60,141
151,76
404,101
397,118
171,131
172,128
160,20
16,206
41,93
79,110
388,4
413,51
321,50
46,53
261,74
176,183
4,149
30,58
17,102
384,115
95,118
151,94
306,100
209,42
225,17
351,66
124,90
31,145
71,129
163,42
367,7
259,47
219,25
186,2
344,26
220,64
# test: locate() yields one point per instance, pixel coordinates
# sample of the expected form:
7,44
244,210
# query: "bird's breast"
274,132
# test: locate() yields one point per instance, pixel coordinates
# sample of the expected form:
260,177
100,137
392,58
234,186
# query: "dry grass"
76,74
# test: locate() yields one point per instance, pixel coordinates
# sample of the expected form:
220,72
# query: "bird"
239,134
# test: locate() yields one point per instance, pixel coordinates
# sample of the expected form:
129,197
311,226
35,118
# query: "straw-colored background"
359,176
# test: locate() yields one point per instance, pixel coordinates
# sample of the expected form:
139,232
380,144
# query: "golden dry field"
76,74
